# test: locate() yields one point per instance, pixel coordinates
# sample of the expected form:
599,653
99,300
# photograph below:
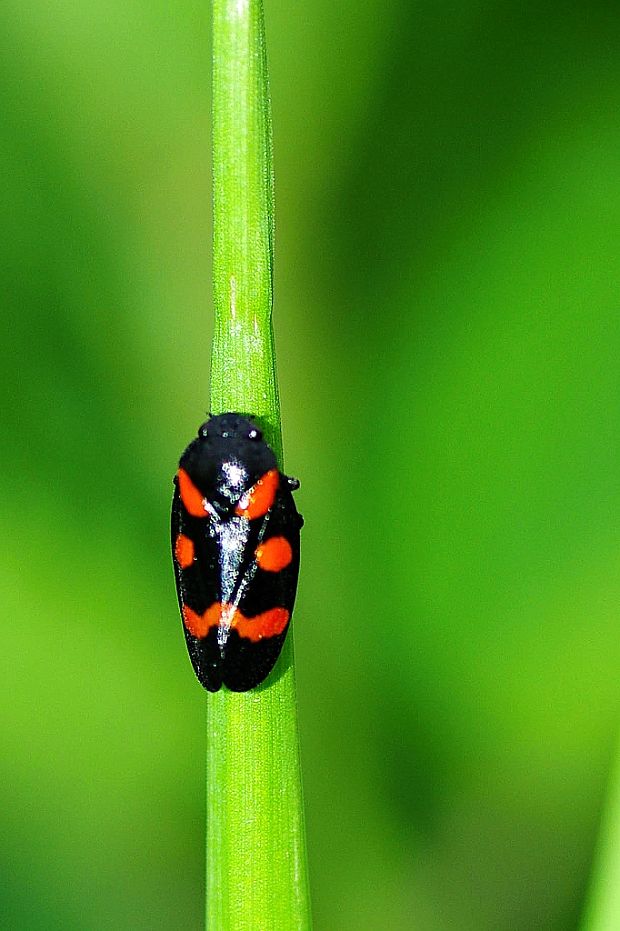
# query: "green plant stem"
256,852
603,907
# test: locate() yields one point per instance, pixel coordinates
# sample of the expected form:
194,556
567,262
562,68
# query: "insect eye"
255,434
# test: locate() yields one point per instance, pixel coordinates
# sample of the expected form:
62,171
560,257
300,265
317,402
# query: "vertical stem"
603,907
243,368
256,852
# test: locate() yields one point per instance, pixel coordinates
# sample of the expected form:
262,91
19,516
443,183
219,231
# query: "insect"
235,547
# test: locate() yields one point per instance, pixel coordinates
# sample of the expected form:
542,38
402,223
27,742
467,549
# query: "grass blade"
603,906
256,852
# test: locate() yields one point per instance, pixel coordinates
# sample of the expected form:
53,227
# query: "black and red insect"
235,547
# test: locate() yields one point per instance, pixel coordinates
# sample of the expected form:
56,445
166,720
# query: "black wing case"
248,662
197,588
239,662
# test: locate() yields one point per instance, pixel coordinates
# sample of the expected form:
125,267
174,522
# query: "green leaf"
256,851
603,907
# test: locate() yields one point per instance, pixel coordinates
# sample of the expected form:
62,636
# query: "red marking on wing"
184,551
274,554
268,624
199,625
257,501
193,500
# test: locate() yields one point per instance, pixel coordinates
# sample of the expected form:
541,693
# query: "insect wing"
196,566
266,603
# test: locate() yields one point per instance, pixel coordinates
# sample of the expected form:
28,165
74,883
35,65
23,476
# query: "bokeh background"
448,221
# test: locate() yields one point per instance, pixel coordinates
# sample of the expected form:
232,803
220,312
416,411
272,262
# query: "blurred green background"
448,219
